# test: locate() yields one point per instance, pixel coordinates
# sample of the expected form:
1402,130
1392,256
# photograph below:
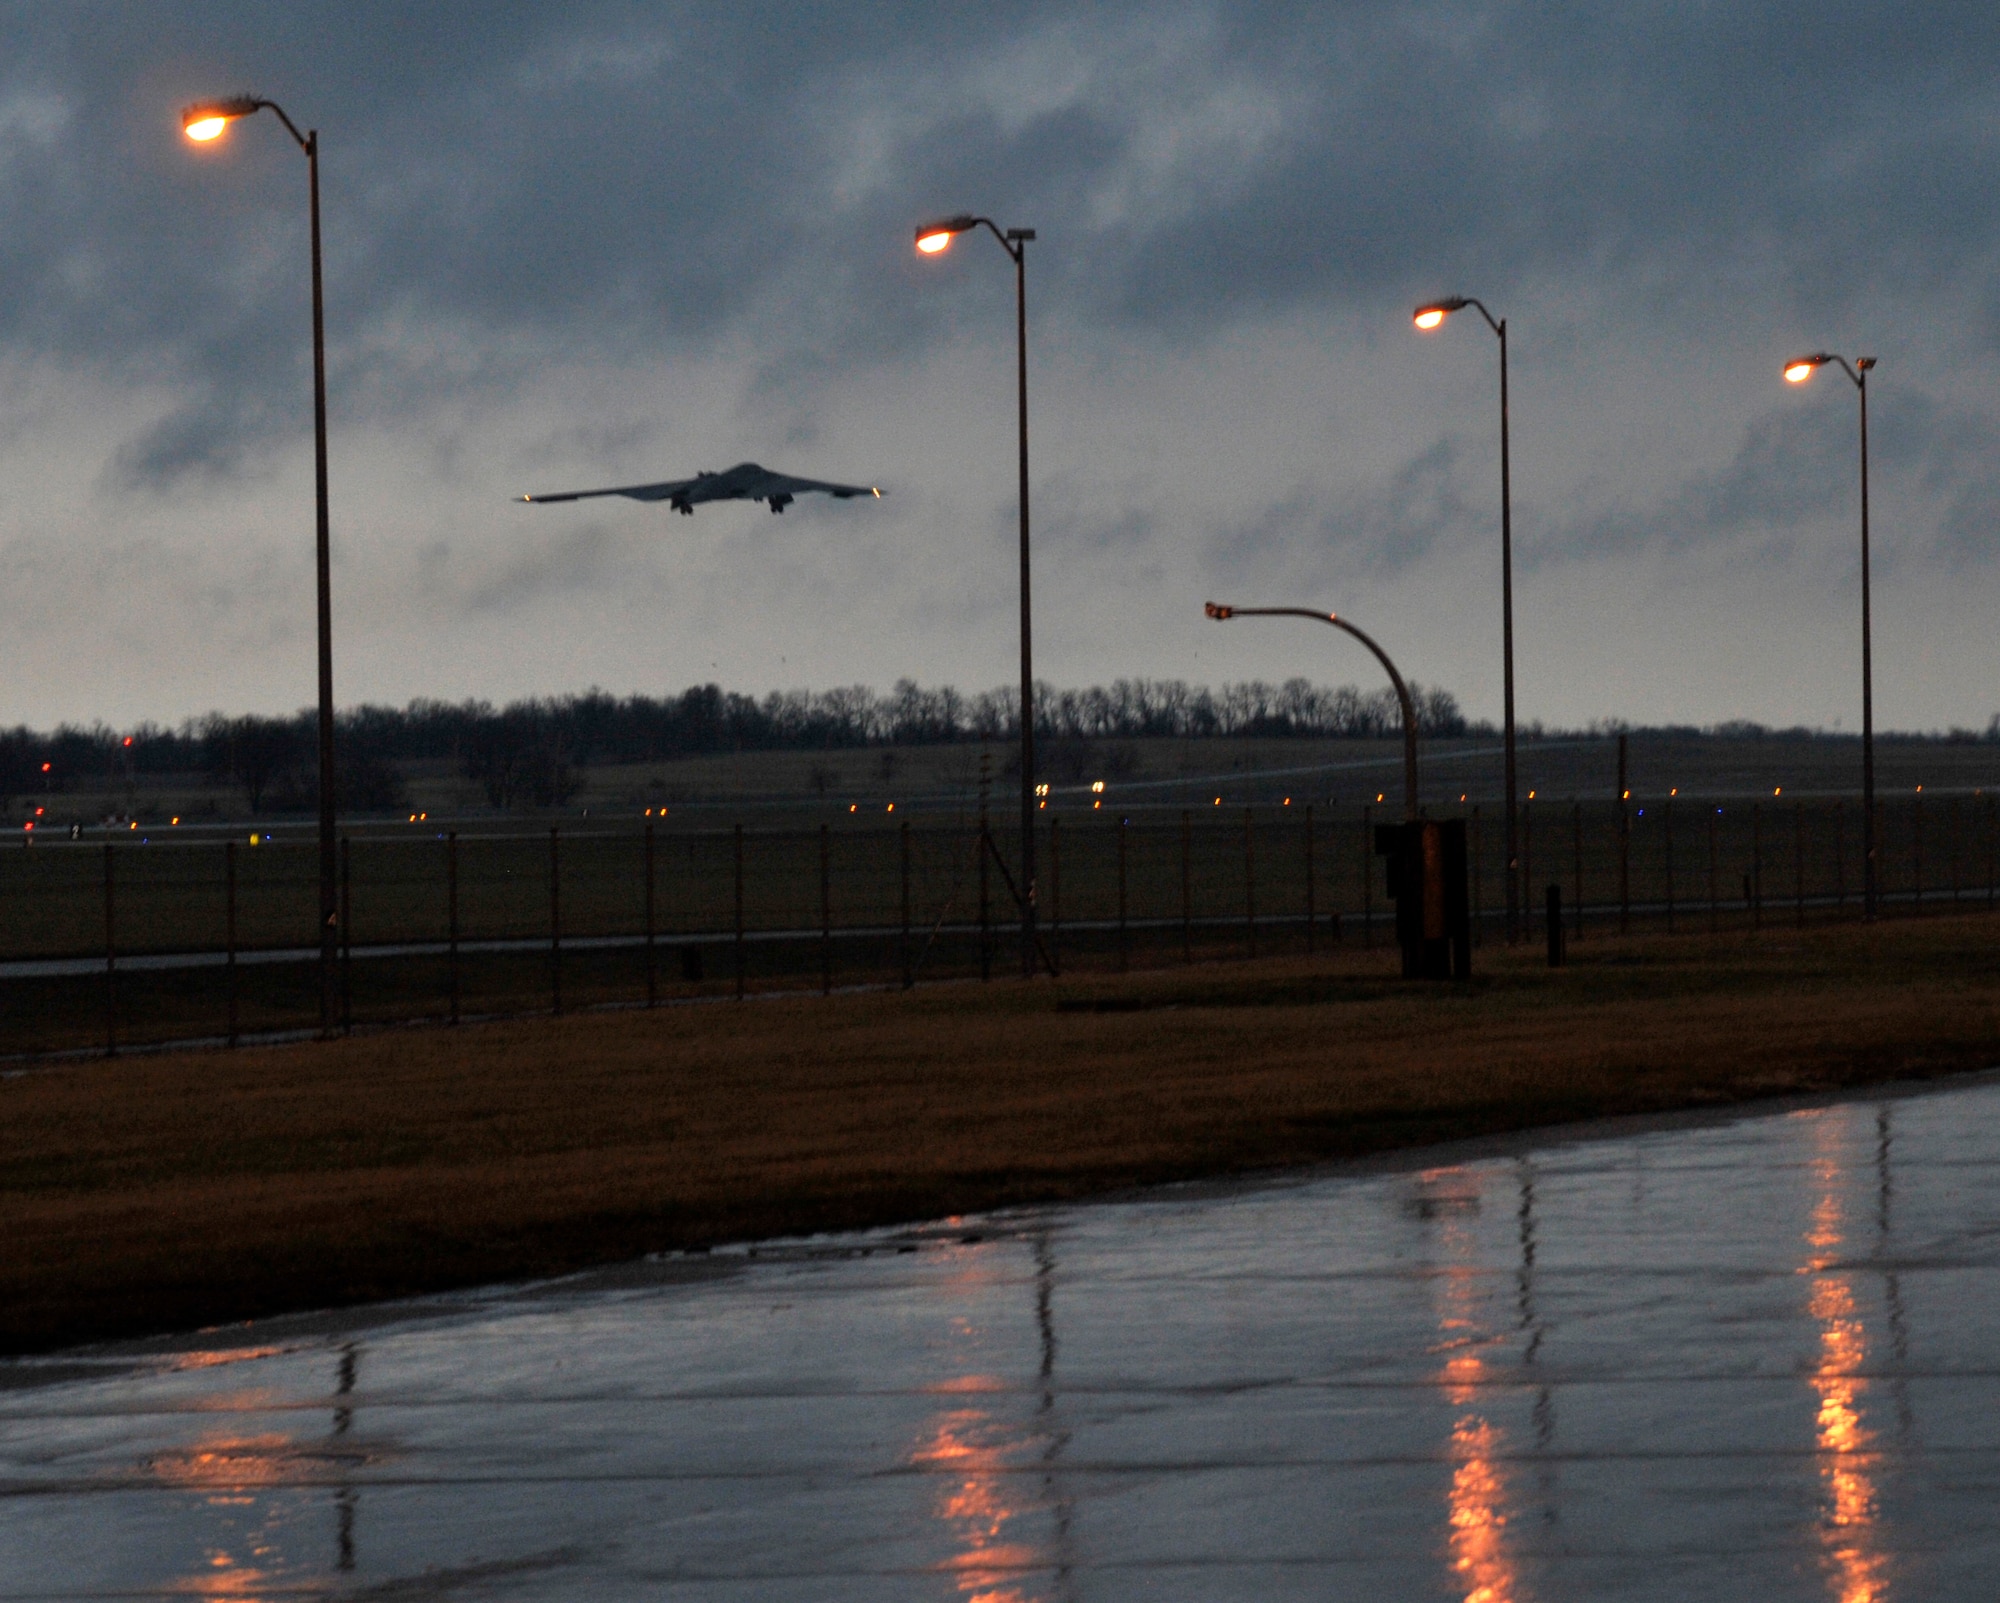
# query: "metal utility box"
1426,863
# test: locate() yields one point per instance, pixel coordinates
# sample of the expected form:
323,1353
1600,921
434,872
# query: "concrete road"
1754,1359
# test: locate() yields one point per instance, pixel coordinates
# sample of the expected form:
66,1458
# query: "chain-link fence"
110,945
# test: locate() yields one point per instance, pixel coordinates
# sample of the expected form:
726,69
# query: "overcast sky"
596,243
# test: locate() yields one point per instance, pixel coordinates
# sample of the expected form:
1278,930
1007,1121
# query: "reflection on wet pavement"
1752,1359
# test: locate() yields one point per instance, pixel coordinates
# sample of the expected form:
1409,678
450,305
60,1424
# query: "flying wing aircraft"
744,482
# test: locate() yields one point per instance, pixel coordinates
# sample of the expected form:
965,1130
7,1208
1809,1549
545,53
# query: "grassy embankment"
148,1194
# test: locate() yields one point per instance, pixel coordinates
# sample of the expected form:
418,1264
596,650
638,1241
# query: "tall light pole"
1429,316
1797,371
1221,613
932,239
203,123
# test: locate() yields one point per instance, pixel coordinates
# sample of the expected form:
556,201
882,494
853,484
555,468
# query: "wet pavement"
1754,1359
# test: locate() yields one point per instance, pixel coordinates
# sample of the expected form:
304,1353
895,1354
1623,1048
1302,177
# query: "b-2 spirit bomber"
744,482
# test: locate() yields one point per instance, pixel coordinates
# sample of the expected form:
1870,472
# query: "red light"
128,740
29,825
39,811
45,768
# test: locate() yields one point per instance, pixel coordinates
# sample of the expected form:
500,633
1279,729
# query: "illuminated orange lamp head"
1801,368
935,237
206,119
1432,314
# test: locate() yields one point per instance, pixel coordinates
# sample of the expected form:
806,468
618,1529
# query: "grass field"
169,1191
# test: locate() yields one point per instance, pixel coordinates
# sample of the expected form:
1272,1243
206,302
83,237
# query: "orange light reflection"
1847,1460
1478,1499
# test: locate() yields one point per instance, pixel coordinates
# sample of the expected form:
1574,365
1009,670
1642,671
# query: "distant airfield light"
854,807
177,821
1675,791
1097,804
1531,795
1777,790
1623,796
1097,787
892,807
45,768
1378,795
1288,801
1218,801
30,824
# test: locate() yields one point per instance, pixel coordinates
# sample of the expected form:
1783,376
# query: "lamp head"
1215,609
1433,313
935,237
206,119
1801,368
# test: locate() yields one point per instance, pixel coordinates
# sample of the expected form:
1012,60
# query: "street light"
933,239
205,122
1430,316
1797,371
1222,614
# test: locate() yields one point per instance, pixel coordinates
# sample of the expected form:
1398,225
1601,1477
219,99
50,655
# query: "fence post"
229,929
1124,945
1917,851
652,953
1055,894
1951,845
1714,882
1477,903
825,911
1576,867
451,918
1753,894
739,912
1799,851
346,936
1249,881
1840,857
985,925
1187,886
555,920
110,961
1670,862
1312,912
1527,864
903,839
1624,843
1367,877
1991,879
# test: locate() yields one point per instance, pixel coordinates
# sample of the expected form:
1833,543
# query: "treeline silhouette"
527,752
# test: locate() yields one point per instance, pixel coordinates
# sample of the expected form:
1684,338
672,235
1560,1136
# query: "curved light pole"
1797,371
1221,613
204,122
1427,317
932,240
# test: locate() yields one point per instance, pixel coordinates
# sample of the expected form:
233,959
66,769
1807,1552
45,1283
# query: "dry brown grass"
148,1194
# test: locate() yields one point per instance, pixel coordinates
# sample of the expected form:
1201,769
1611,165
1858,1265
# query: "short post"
1187,886
1124,945
903,842
555,921
1249,883
1992,857
1554,919
985,917
110,961
652,952
229,930
346,935
451,918
1624,843
1312,913
739,912
825,911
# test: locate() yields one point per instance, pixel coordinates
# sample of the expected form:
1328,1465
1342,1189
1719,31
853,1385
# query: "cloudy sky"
606,242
